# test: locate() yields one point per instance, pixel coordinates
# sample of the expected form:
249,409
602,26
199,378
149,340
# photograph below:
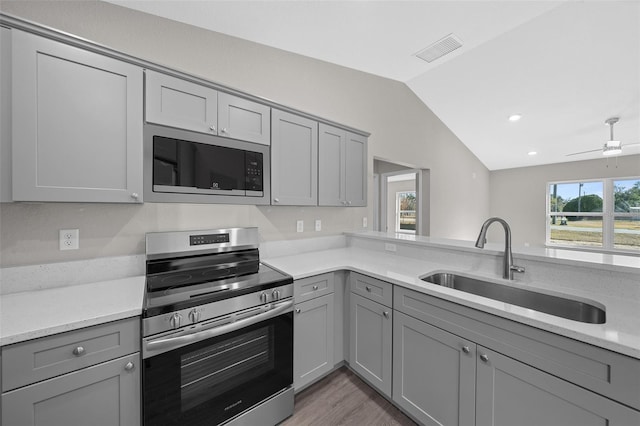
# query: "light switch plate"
300,226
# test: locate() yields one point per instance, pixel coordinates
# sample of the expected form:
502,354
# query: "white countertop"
620,333
31,314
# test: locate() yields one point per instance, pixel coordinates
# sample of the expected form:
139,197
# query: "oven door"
213,375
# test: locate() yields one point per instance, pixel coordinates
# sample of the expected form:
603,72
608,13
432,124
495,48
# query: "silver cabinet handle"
315,287
466,349
298,310
348,203
129,366
276,200
223,130
212,128
484,358
368,288
78,351
386,314
135,195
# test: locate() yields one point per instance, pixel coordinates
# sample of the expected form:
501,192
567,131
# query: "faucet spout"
508,268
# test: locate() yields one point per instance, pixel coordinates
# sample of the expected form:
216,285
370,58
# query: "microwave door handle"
155,347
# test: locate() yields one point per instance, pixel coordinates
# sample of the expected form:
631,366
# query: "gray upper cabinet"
243,119
77,124
5,115
179,103
182,104
342,158
294,160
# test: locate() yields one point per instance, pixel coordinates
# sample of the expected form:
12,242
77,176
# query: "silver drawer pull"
466,349
129,366
298,310
315,287
78,351
484,358
368,289
386,314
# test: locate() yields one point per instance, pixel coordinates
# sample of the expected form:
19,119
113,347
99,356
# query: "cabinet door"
294,160
243,119
434,373
77,124
313,340
106,394
179,103
370,342
510,392
331,166
356,170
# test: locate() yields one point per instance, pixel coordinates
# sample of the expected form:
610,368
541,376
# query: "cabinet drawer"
605,372
312,287
40,359
372,289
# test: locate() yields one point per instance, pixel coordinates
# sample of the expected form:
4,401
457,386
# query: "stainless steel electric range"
217,331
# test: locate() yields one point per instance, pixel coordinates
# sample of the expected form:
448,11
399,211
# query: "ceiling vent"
440,48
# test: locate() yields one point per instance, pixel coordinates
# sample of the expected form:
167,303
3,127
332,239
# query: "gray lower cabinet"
342,159
370,341
512,393
294,160
434,373
105,394
76,124
313,340
89,376
443,378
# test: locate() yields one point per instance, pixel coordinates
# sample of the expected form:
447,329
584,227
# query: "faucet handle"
516,268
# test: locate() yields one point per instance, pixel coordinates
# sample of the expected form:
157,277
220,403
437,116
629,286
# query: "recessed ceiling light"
515,117
532,153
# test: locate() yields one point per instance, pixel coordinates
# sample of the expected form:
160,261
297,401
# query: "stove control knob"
175,320
195,315
275,295
264,297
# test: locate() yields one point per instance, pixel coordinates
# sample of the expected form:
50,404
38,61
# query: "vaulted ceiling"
564,66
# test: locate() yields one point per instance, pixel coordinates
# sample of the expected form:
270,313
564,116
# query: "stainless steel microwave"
186,167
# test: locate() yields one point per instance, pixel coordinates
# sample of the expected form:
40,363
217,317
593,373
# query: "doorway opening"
401,198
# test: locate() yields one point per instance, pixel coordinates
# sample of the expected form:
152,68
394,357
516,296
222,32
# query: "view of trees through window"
600,214
406,211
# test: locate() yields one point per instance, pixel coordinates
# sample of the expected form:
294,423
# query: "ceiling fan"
610,147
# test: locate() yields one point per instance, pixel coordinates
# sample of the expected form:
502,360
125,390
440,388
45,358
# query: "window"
406,212
599,214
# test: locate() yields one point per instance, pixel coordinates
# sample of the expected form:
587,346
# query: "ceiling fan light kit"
612,148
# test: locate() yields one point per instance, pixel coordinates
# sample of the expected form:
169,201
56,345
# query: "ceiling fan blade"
583,152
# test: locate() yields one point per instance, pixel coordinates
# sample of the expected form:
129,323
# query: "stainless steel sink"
554,305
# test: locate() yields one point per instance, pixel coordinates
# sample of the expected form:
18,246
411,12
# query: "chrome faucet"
508,268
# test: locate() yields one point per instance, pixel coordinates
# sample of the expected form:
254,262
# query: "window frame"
398,211
608,216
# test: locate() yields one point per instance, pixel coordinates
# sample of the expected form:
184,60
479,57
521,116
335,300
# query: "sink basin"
554,305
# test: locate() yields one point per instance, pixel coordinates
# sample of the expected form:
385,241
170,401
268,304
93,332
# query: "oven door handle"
155,347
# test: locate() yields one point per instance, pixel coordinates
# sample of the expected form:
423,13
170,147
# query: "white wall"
520,195
402,129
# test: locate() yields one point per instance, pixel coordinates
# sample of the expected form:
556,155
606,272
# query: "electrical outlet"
364,222
69,239
300,226
318,225
389,247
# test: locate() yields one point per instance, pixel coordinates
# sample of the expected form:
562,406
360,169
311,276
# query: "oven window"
211,381
211,371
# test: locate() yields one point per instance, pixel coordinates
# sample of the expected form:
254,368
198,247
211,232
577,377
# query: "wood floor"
342,398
